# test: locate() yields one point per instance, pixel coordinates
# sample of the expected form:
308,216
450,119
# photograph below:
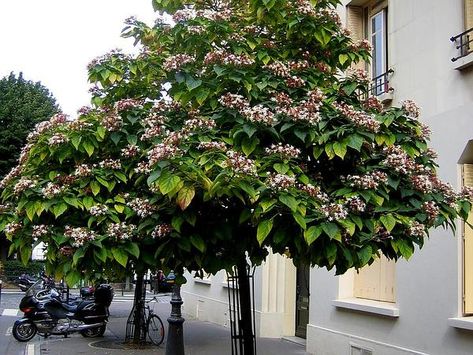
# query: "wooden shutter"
355,23
468,249
377,281
468,14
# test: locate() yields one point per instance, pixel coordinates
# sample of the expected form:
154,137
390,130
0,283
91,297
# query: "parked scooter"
25,281
49,315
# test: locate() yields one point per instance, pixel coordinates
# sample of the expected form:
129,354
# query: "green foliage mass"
23,103
232,132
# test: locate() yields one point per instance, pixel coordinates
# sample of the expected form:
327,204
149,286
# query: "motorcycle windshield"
37,286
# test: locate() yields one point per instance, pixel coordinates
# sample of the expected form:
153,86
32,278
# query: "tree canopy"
23,103
237,128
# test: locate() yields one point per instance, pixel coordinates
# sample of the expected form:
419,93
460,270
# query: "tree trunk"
138,332
246,321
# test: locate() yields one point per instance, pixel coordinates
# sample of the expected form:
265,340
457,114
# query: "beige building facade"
420,306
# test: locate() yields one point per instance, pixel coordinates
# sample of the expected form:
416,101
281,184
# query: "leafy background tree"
234,131
23,103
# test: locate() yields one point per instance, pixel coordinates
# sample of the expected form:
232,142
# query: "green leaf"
75,140
340,149
101,254
177,223
89,147
263,230
72,278
120,256
405,248
133,249
388,221
73,201
102,181
25,253
95,187
191,83
185,196
248,145
168,183
364,254
311,234
332,230
348,225
88,202
79,254
59,209
355,141
198,242
30,210
267,204
300,220
289,201
342,58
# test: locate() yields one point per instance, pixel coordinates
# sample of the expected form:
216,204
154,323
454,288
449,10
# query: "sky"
52,41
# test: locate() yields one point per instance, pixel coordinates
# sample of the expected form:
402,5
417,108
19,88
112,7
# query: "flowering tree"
234,130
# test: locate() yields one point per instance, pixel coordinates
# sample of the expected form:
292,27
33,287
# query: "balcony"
463,45
380,88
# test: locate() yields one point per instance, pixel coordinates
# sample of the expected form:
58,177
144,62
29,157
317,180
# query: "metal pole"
175,340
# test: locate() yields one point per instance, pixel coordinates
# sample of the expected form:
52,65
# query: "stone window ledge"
201,281
369,306
461,322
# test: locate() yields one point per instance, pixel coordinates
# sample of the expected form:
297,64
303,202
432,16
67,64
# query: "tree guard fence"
241,302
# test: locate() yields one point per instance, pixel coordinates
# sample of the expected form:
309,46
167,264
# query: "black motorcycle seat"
75,307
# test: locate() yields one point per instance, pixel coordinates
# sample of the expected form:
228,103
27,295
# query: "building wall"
429,285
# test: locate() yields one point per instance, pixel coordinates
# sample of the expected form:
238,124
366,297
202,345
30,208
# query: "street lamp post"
175,340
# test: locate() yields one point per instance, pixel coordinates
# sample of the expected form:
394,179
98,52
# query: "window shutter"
468,14
376,281
468,249
355,24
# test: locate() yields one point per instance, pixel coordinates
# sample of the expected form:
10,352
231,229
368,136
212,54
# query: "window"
369,21
376,281
468,249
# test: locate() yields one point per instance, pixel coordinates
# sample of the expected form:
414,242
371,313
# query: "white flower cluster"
195,30
84,110
112,164
12,228
223,57
130,151
176,62
305,8
373,103
331,15
112,122
161,230
166,105
259,114
152,132
282,99
142,168
121,231
240,164
280,182
363,44
58,139
79,235
79,125
175,138
23,184
278,69
417,229
355,204
127,104
358,118
358,74
295,82
51,190
397,159
24,154
369,180
39,230
41,127
98,210
141,207
12,174
411,108
425,131
83,170
195,124
286,151
234,101
314,192
431,209
422,183
334,211
162,151
212,146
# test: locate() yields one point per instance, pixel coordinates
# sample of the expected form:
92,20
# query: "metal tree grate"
235,311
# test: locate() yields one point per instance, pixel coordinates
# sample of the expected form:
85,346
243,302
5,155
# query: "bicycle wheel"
155,329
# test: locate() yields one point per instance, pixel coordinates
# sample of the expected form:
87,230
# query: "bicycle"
154,327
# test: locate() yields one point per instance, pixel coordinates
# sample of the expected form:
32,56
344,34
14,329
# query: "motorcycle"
49,315
25,281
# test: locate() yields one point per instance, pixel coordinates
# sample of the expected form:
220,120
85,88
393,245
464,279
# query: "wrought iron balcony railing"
378,86
463,41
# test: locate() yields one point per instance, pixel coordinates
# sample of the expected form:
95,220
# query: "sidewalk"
200,338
